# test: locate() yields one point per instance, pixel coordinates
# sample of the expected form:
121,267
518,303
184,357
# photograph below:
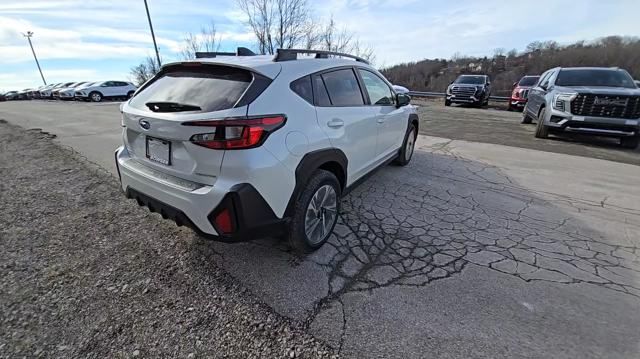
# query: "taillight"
236,133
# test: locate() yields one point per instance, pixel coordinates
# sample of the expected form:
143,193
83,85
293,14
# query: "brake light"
236,133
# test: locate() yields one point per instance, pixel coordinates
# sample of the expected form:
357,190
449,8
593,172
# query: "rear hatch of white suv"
182,121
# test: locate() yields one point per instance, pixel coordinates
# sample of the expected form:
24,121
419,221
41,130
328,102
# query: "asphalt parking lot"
475,249
497,126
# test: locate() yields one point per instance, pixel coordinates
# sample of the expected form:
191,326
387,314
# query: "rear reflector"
223,222
236,133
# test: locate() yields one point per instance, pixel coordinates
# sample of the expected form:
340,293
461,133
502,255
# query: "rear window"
595,77
528,81
210,88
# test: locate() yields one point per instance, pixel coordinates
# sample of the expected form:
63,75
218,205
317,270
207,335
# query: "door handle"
335,123
380,119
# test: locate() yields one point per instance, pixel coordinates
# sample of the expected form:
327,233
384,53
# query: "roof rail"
292,54
241,51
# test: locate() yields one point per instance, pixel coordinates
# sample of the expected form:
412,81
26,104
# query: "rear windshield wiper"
171,107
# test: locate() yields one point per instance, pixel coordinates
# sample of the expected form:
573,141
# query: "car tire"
95,96
542,130
447,102
408,146
308,228
526,119
630,142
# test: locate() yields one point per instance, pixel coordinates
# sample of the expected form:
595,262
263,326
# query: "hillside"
505,69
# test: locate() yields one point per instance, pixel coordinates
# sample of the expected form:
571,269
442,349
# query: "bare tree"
276,23
144,71
288,23
207,40
342,40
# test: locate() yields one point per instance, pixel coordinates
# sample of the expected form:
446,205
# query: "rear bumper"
559,121
196,205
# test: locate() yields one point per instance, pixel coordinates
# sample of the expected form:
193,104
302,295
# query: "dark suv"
470,89
590,100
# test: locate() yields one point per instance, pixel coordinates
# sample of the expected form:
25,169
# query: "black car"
11,95
469,89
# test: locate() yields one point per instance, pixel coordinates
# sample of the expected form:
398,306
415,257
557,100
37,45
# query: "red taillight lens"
236,133
223,222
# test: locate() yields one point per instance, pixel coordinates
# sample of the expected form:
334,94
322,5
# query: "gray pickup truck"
588,100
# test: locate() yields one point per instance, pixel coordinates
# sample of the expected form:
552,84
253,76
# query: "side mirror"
403,99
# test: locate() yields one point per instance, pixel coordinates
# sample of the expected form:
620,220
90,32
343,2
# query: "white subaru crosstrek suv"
244,147
106,90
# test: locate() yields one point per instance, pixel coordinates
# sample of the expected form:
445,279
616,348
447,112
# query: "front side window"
379,93
343,88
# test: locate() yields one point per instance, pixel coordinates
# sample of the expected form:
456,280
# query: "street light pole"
153,36
28,36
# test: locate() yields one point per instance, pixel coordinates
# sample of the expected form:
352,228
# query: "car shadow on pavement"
425,222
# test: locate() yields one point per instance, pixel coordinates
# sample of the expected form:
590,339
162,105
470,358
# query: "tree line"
507,67
275,24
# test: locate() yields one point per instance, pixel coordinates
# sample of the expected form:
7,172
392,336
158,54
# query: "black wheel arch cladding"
330,159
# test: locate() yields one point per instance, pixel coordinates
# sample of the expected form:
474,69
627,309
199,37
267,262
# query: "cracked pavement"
470,251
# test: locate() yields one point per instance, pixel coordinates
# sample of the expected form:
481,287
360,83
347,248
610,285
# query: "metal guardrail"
441,94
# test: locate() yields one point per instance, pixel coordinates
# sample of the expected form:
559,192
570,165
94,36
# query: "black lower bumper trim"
253,217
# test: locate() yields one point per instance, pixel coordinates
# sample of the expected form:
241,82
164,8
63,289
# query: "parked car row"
84,90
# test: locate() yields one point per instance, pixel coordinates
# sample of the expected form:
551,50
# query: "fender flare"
332,157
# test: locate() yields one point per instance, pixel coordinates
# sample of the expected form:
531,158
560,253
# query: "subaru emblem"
144,124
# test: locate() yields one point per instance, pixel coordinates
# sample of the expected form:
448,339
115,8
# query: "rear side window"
303,88
320,92
209,88
343,88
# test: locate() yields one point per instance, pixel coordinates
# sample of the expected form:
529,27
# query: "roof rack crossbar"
292,54
241,51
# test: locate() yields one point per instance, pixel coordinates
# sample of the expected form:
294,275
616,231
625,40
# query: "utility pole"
28,36
153,36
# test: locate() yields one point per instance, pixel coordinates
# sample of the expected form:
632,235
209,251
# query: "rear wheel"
95,96
315,212
630,142
447,102
542,130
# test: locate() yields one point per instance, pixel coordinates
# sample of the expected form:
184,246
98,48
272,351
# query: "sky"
79,40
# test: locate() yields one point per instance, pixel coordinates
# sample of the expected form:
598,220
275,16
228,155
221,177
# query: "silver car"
588,100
